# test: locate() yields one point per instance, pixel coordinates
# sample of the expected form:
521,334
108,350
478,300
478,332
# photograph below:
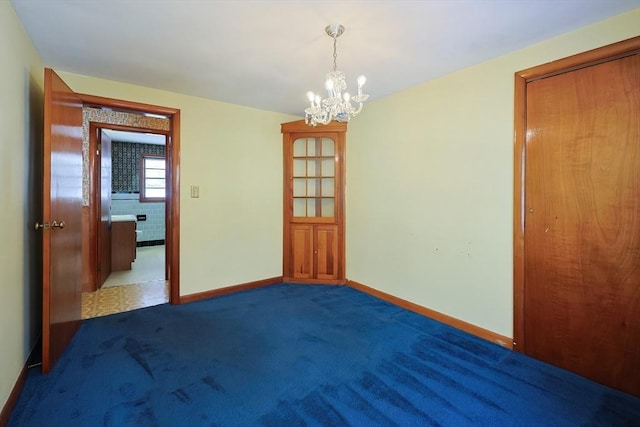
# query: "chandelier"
338,103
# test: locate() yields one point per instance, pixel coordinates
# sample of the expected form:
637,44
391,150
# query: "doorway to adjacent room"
128,275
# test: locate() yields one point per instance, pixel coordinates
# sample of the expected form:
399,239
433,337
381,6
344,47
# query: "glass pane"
154,173
299,147
328,147
154,183
299,206
311,147
311,207
311,187
328,167
154,163
311,168
299,167
299,185
328,185
154,193
327,207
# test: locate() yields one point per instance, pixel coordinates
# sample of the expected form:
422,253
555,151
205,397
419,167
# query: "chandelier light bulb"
339,104
329,85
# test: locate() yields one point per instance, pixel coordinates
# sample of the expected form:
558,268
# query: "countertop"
123,218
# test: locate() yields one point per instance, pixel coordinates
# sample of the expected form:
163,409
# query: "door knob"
44,226
56,224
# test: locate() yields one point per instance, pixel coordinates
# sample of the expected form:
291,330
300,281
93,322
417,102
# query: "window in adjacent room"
152,178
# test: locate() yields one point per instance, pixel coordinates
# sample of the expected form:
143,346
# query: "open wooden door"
104,207
62,218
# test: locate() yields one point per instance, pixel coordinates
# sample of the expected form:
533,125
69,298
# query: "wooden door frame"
96,239
603,54
172,202
94,196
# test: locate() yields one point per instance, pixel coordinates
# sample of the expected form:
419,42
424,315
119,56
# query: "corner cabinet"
314,169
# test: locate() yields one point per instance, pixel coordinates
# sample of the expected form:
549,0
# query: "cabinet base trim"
229,290
287,279
448,320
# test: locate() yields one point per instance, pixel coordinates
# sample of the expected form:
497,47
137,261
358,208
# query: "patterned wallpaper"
116,118
125,165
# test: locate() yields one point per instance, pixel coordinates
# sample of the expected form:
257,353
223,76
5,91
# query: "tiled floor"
148,266
116,295
117,299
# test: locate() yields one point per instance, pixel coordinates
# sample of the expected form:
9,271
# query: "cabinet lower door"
326,252
314,252
301,251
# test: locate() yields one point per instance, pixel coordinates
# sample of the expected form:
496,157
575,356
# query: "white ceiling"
268,53
136,137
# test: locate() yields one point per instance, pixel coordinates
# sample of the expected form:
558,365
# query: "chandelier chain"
335,52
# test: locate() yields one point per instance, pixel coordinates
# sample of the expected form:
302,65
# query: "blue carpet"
295,355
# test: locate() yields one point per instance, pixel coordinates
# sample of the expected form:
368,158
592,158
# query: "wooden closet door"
582,222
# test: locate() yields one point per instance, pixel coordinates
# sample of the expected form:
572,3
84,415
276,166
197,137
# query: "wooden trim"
172,153
229,290
119,104
519,136
87,272
299,126
128,128
299,281
495,338
314,220
94,215
14,395
613,51
172,233
341,202
581,60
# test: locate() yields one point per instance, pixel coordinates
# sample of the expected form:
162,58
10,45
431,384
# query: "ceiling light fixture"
338,103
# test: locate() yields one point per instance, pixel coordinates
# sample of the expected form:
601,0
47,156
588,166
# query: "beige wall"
429,184
428,198
233,233
21,96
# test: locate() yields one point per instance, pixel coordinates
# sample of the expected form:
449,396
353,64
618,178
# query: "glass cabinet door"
314,179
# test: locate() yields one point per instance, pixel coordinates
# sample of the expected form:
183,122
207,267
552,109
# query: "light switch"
195,191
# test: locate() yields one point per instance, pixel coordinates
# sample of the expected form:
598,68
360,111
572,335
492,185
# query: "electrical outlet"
195,191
